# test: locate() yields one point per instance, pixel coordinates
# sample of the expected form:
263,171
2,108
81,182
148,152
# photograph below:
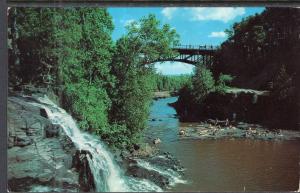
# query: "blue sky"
195,25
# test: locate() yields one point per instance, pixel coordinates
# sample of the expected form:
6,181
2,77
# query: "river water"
225,164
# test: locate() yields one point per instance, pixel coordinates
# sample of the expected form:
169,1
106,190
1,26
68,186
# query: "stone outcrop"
234,104
40,153
162,161
80,163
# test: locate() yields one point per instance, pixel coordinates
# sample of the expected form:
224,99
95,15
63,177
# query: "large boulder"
154,176
162,162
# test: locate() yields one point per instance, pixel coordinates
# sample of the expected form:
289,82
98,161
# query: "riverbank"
215,129
236,113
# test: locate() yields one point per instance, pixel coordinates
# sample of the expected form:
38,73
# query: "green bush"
223,82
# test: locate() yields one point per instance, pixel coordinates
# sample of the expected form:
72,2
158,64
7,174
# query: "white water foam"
173,176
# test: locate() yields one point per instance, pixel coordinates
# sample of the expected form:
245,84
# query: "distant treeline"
107,86
261,52
171,82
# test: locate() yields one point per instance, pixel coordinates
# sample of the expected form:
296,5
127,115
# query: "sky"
195,25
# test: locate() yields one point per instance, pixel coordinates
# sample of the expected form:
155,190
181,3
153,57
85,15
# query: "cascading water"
173,176
107,175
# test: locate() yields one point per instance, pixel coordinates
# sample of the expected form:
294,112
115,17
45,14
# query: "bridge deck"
197,47
195,50
193,54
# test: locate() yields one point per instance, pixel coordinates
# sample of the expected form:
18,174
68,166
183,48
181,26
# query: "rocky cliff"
40,155
234,104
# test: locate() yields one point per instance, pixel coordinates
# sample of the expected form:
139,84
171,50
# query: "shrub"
222,83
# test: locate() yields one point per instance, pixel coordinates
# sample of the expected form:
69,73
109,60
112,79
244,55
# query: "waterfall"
108,176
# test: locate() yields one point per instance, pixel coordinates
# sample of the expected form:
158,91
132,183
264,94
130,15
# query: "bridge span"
193,54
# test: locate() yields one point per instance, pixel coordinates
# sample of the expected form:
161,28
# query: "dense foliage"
194,92
67,50
258,46
106,86
262,52
171,82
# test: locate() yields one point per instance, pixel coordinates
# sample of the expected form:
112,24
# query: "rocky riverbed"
216,129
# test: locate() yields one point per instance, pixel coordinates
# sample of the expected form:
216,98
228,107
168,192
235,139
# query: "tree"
33,36
68,50
85,58
170,82
202,84
145,42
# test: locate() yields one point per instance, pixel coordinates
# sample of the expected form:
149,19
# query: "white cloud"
168,12
217,34
174,68
224,14
128,22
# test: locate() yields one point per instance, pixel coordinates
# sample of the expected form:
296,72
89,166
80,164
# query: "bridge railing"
197,47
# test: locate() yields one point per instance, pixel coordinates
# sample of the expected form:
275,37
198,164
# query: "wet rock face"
25,125
166,160
154,176
156,141
80,163
40,153
43,113
52,130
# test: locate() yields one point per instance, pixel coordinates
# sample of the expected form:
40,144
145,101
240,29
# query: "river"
225,164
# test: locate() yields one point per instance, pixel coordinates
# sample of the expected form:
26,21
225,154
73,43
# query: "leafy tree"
68,50
85,59
193,93
145,42
33,31
202,83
